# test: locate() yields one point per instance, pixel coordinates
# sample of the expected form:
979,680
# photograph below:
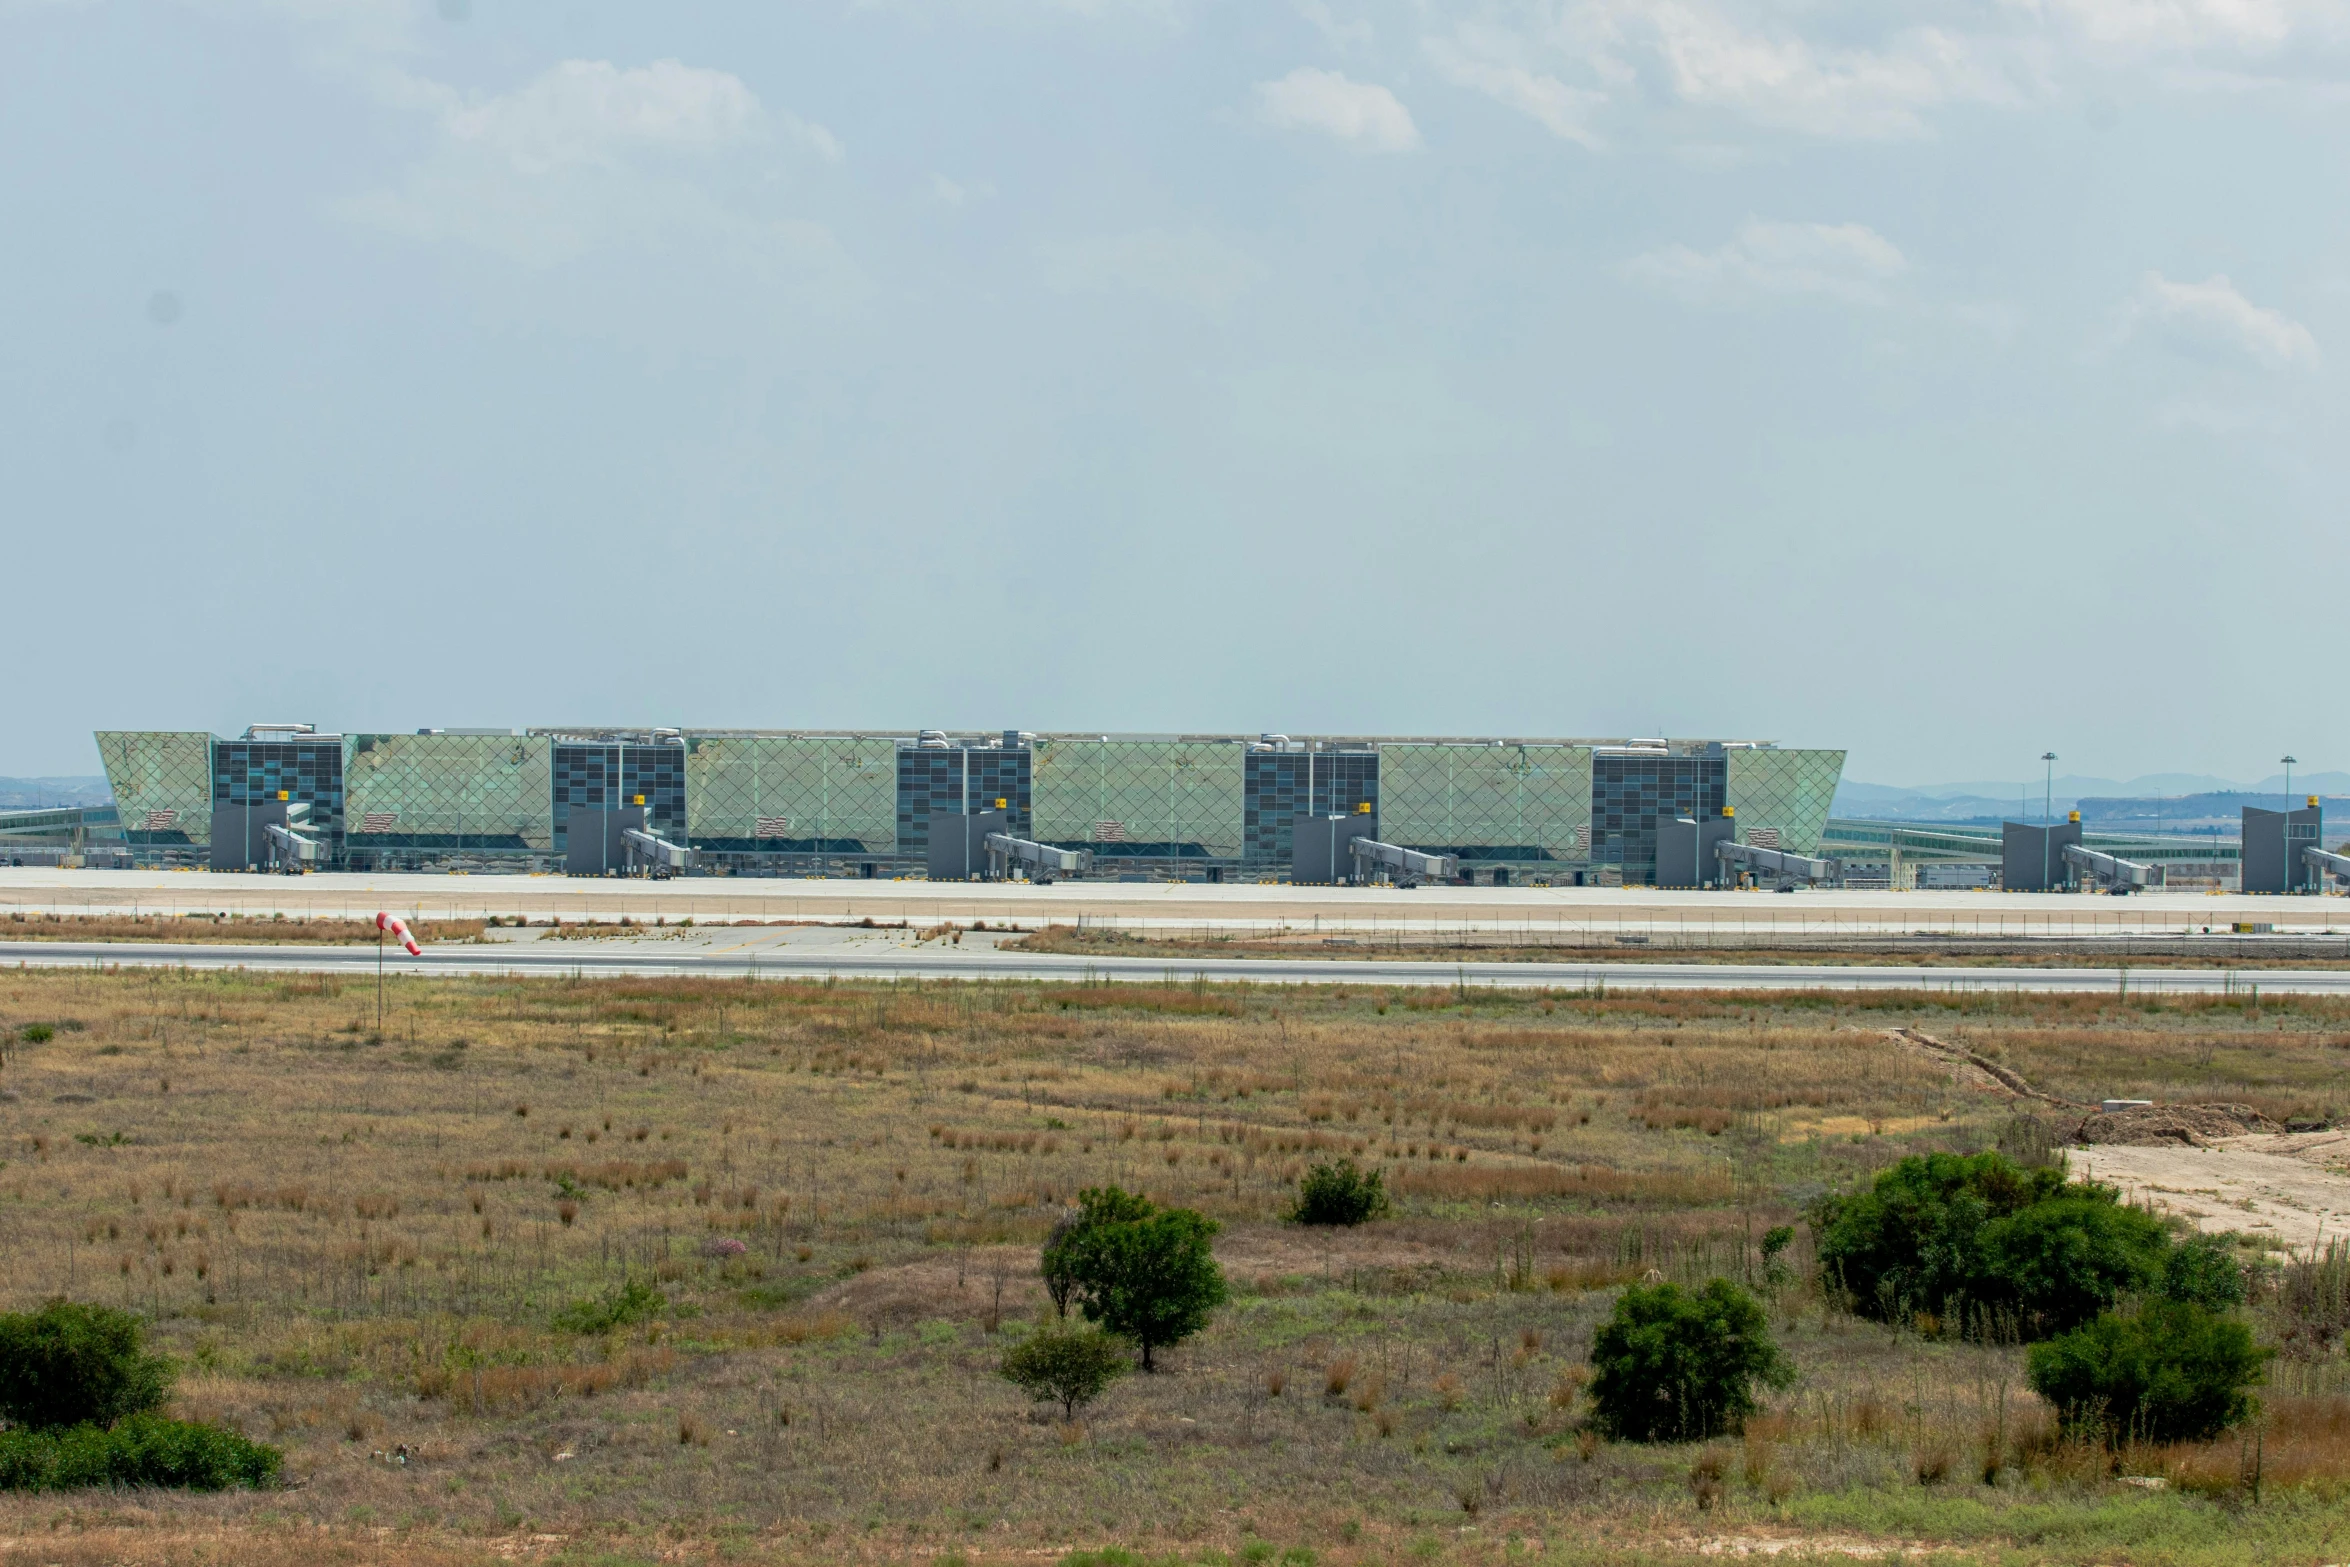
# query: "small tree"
1095,1205
1144,1272
1339,1193
69,1364
1068,1366
2168,1372
1672,1365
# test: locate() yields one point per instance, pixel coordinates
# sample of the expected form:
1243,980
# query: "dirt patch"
2184,1126
2291,1190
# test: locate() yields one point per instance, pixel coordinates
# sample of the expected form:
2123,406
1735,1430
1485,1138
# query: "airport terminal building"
1212,807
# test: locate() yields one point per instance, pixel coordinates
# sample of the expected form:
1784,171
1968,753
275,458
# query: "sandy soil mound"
2161,1126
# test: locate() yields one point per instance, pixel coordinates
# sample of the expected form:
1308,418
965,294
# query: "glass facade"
1513,802
1135,799
409,795
162,785
1630,790
1190,805
1786,791
792,794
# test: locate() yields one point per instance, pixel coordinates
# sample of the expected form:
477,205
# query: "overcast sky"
1949,382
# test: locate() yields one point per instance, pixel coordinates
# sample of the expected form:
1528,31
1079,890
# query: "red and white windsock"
397,928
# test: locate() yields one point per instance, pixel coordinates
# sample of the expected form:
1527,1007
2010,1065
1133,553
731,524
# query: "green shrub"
2168,1372
139,1450
36,1033
2201,1272
1105,1205
1678,1366
1970,1239
1340,1193
634,1301
69,1364
1067,1366
1144,1272
2061,1261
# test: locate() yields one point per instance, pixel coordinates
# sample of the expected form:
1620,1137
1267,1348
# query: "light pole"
2289,761
2048,787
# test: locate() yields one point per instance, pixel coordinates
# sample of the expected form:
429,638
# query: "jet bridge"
653,855
286,849
1405,867
600,841
1041,861
2108,870
2326,863
1776,865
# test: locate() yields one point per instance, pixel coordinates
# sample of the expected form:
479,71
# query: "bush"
1068,1366
2201,1272
1672,1365
2168,1372
2060,1262
1340,1193
1144,1272
139,1450
1971,1238
634,1301
69,1365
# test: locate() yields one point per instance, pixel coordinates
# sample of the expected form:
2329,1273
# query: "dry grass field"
362,1245
221,928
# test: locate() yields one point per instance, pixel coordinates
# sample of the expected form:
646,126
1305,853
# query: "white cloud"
1861,72
1847,261
590,154
2210,31
2212,319
1778,78
589,111
1318,100
1194,269
1488,62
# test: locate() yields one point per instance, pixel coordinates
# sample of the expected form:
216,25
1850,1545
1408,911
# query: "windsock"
397,928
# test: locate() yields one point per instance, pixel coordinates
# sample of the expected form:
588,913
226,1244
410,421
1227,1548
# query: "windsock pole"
389,925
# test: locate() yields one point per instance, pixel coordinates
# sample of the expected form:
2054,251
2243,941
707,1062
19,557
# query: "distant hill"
25,794
2220,811
2140,804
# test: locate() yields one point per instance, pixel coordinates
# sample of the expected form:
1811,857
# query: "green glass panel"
1523,800
476,789
1171,796
162,782
793,790
1789,791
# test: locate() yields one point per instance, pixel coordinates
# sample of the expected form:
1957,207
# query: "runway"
905,959
1563,916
